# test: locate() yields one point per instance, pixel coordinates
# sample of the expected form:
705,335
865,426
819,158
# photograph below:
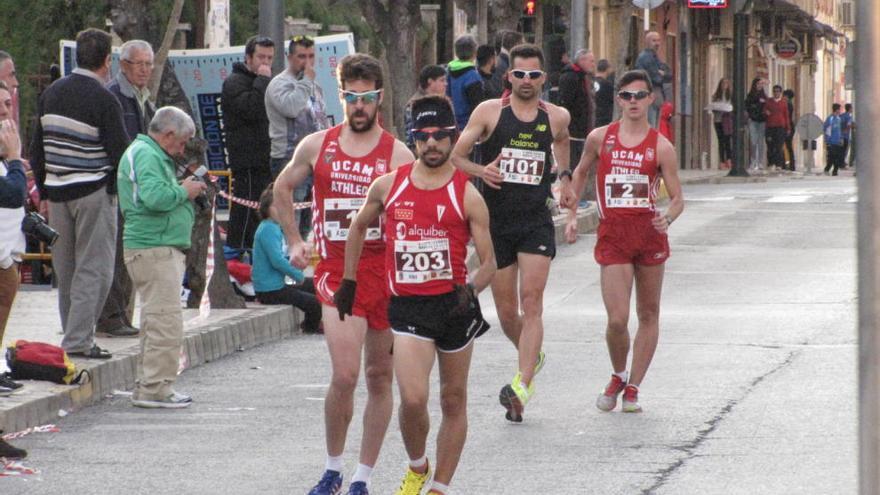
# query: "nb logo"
541,127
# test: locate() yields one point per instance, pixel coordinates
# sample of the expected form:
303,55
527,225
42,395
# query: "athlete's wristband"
565,173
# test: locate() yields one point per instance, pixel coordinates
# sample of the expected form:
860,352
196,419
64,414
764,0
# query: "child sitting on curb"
271,264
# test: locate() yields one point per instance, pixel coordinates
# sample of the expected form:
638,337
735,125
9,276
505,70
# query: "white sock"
335,463
362,473
439,487
623,375
418,463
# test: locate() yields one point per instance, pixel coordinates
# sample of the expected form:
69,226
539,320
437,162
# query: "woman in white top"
722,116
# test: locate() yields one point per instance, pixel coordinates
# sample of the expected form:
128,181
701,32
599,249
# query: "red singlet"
627,179
426,236
341,183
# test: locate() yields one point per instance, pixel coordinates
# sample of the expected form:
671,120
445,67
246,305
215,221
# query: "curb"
42,402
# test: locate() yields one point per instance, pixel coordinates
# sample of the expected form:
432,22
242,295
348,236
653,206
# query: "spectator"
755,101
604,89
8,76
789,138
247,135
130,88
576,95
486,61
649,61
295,105
846,122
79,180
271,265
432,81
833,128
721,109
159,217
778,127
13,188
465,86
505,41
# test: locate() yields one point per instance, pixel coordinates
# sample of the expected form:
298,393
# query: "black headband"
432,114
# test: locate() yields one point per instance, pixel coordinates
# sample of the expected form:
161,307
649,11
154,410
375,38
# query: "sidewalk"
35,317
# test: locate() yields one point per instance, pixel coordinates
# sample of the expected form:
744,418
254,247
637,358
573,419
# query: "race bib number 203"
418,262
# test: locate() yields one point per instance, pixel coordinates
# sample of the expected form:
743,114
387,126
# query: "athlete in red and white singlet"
426,236
627,179
430,211
631,241
344,161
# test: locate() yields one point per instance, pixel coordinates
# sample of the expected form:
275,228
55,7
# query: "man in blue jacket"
465,86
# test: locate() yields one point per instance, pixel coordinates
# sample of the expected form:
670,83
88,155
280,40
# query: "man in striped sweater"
79,139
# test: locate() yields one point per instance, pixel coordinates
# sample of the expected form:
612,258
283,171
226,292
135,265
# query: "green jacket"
156,208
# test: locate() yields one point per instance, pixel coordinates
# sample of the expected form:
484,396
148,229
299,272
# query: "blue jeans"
757,130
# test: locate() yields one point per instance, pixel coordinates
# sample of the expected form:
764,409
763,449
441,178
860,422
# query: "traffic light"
530,7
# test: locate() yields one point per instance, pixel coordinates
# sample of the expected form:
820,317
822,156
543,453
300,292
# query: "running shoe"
607,400
539,365
330,484
413,482
631,399
358,488
514,398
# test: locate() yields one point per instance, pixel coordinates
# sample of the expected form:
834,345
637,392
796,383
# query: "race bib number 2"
338,215
418,262
522,166
627,191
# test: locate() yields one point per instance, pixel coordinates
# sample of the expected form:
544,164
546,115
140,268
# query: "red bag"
41,361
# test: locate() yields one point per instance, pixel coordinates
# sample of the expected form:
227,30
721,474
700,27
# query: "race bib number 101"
627,191
338,215
418,262
522,166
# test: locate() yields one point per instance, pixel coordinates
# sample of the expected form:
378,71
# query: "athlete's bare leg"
413,360
505,293
534,269
454,370
345,340
378,371
649,282
617,283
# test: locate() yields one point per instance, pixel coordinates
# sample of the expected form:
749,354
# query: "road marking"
789,199
854,199
714,198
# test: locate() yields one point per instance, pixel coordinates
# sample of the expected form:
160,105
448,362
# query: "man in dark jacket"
486,60
247,136
464,84
604,85
130,88
649,61
505,41
576,96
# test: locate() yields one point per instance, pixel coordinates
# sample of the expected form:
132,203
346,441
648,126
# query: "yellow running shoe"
514,398
539,364
413,482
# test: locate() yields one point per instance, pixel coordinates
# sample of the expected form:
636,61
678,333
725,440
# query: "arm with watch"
668,164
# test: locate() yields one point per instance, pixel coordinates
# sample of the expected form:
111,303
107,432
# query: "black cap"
432,111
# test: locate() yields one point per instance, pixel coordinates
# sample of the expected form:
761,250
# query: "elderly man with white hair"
130,88
159,216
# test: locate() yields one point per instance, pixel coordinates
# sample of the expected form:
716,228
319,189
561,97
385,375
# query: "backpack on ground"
41,361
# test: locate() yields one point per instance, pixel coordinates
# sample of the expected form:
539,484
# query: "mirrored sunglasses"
533,74
367,97
629,95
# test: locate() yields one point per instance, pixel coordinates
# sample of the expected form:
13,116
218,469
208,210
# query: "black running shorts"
430,318
535,239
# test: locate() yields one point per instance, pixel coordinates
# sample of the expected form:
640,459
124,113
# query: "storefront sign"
707,4
787,49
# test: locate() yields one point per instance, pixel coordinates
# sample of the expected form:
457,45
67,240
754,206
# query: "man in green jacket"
159,216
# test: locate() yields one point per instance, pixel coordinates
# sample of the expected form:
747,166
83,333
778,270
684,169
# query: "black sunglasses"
533,74
438,135
629,95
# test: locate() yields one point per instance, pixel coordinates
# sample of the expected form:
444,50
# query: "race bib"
417,262
338,215
522,166
627,191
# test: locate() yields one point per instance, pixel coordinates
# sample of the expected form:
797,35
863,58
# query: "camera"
35,226
202,199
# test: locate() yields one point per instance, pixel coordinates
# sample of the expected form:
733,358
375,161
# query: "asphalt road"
752,390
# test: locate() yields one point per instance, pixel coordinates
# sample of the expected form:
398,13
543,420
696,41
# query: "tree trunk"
396,26
503,14
167,40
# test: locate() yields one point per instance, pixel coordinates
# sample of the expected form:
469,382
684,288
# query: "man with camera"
78,141
159,217
13,186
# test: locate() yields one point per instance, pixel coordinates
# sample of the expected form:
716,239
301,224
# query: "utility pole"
578,23
868,222
272,25
740,60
